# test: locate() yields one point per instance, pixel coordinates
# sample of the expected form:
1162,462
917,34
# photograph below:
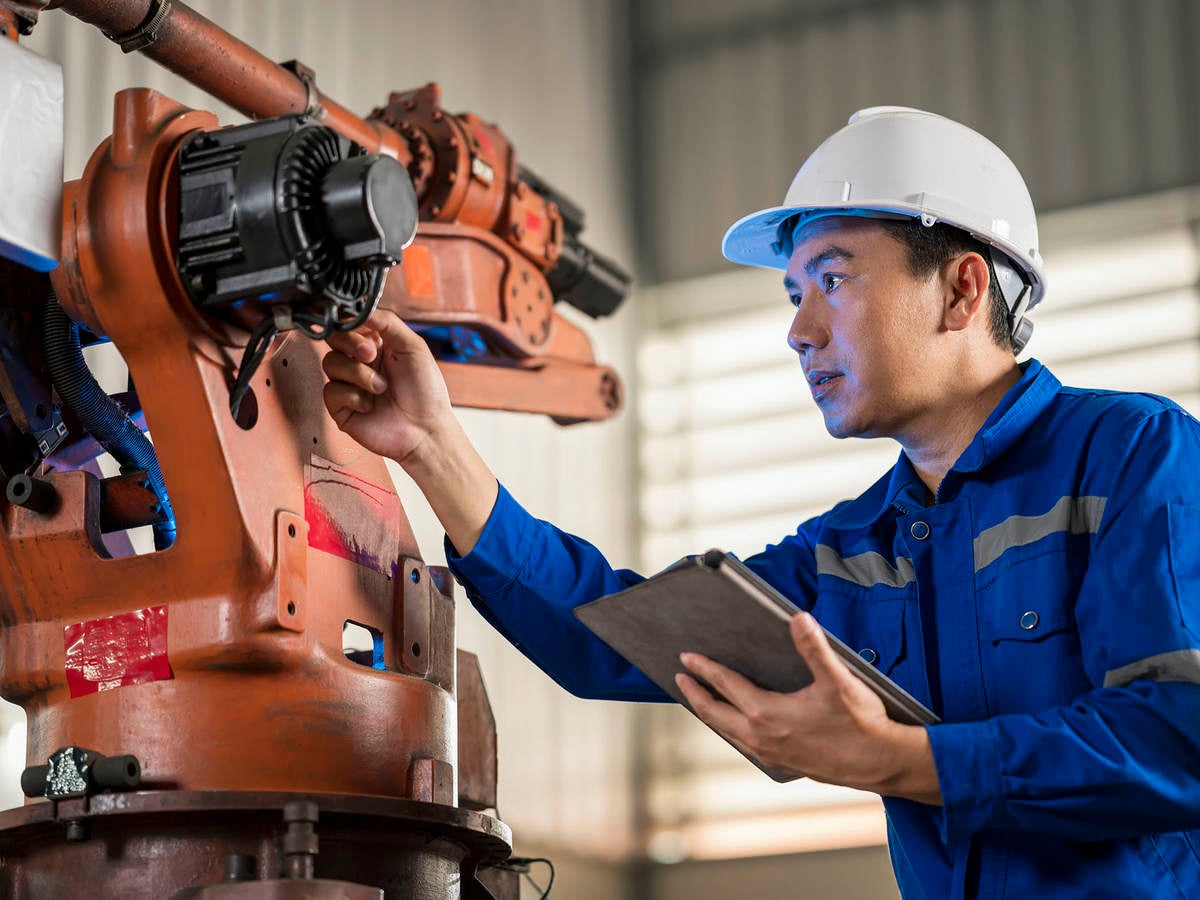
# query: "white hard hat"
894,160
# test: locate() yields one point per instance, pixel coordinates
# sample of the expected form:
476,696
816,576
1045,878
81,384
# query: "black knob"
116,772
32,493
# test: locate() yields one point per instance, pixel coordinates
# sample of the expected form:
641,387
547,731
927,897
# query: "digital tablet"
714,605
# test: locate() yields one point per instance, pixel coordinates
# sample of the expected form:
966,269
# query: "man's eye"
830,282
795,298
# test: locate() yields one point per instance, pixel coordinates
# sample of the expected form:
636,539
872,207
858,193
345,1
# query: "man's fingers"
716,713
737,689
812,644
343,400
394,331
340,367
362,344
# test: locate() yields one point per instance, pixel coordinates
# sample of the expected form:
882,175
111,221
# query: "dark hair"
929,248
932,246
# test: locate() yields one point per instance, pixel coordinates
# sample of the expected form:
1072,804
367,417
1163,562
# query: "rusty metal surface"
149,845
465,171
536,360
260,695
477,769
126,501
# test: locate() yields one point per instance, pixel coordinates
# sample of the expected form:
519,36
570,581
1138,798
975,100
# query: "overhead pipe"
181,40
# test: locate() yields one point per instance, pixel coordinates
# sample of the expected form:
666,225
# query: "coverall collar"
903,489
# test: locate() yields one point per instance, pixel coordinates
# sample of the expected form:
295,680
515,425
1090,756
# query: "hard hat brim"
753,240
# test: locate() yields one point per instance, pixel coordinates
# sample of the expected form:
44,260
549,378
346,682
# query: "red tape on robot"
129,648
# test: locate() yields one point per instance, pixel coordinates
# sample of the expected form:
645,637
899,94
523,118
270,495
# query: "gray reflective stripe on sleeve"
866,569
1077,515
1178,665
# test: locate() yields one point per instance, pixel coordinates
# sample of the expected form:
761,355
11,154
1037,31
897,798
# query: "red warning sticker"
130,648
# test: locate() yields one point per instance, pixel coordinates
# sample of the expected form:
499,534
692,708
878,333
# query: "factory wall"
542,69
1093,99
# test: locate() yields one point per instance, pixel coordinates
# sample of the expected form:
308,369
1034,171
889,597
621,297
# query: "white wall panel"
542,69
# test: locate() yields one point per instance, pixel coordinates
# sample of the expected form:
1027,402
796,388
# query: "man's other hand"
835,730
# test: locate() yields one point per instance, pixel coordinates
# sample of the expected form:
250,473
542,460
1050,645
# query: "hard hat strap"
1017,294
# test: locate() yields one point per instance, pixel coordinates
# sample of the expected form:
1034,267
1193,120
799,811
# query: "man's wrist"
437,453
457,483
912,773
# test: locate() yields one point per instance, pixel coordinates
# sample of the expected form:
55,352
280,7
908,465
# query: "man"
1029,569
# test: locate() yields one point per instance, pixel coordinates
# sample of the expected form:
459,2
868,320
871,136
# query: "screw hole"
415,576
314,440
40,410
291,609
268,382
285,363
416,649
291,531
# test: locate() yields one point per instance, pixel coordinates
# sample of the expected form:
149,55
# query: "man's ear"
967,282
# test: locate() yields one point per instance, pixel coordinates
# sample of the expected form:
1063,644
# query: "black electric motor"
289,216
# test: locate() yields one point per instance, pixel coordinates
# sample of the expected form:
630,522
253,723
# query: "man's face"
864,328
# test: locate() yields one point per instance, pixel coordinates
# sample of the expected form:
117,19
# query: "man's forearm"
458,484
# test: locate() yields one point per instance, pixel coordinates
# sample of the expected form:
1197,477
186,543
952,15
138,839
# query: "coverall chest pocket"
1029,642
872,626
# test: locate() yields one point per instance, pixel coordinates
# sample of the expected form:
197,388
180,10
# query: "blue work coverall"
1046,607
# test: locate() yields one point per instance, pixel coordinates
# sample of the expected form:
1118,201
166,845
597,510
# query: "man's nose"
807,332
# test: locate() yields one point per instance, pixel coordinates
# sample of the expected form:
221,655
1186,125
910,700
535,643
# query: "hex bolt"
300,841
77,831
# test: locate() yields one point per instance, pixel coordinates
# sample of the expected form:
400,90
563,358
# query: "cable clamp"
145,34
282,316
308,77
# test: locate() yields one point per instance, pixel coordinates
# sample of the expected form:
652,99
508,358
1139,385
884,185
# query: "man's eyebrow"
790,286
829,254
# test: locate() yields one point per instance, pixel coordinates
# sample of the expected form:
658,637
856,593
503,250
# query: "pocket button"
868,654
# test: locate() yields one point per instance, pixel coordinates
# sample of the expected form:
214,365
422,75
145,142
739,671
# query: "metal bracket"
291,571
145,34
412,631
312,104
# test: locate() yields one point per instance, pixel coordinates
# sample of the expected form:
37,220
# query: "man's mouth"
819,382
